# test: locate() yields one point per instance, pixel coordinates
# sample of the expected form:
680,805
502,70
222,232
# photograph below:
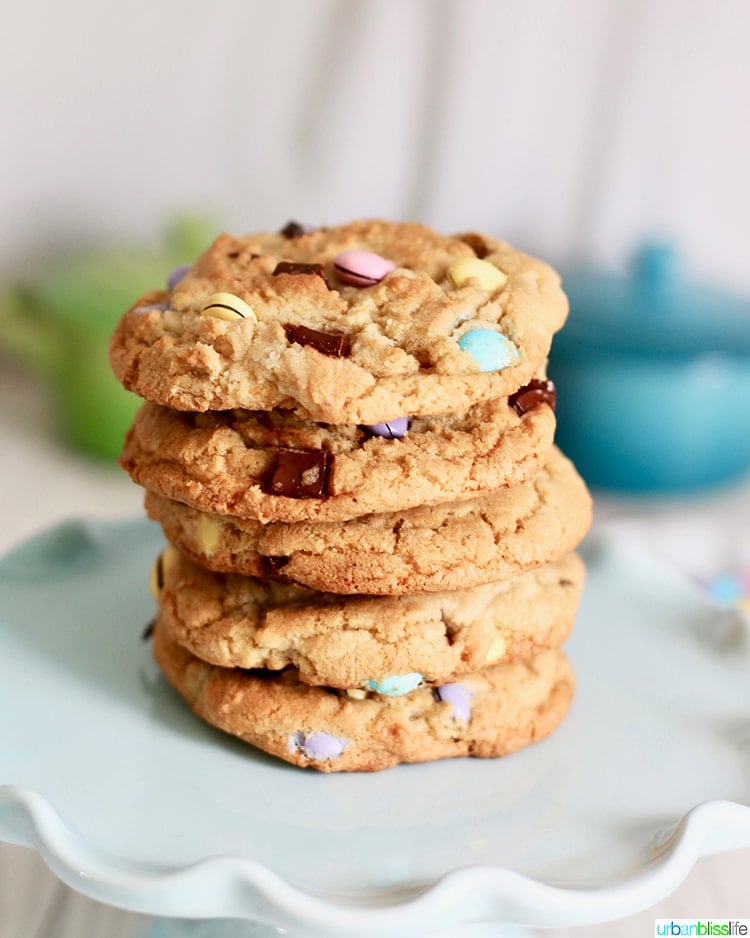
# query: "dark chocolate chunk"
476,243
292,267
536,392
159,573
273,567
293,229
299,474
335,344
148,631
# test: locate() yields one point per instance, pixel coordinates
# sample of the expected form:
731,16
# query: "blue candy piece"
489,349
726,588
396,684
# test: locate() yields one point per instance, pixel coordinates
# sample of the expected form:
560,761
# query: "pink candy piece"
361,268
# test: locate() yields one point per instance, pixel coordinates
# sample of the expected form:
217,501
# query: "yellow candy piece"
486,275
228,307
356,693
209,534
496,651
164,562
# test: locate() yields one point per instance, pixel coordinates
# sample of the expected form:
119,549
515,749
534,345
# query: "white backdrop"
572,127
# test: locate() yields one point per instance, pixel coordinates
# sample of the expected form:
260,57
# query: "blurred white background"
571,127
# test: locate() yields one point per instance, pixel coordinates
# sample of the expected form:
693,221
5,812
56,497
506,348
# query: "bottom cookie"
488,713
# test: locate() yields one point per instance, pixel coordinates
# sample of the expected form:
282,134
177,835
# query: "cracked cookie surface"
489,713
222,462
350,642
403,351
424,549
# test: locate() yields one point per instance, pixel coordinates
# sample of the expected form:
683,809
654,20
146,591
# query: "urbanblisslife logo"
708,927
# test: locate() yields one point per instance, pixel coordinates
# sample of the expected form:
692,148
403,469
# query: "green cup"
61,325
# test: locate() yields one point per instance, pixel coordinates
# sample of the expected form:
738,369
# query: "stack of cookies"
348,442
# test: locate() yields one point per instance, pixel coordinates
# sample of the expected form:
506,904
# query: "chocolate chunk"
536,392
292,267
148,631
476,243
335,344
299,474
160,572
293,229
273,567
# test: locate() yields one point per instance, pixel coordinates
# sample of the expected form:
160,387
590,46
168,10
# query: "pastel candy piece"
459,697
317,745
393,429
176,275
361,268
496,651
209,534
486,275
395,685
489,349
228,307
726,588
161,307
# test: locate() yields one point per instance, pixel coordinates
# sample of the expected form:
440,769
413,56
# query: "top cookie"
361,323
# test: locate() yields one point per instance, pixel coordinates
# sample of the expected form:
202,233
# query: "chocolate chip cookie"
275,466
358,324
388,644
488,713
424,549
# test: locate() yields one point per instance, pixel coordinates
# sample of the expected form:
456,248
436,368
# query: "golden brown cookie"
387,644
488,713
357,324
260,464
440,547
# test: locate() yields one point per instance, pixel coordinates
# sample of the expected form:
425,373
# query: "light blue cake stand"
134,802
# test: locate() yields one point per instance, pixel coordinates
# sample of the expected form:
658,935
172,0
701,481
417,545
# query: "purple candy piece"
177,274
459,697
318,745
393,429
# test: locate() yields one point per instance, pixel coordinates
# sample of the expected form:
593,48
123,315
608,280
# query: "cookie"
253,463
387,644
429,548
358,324
488,713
